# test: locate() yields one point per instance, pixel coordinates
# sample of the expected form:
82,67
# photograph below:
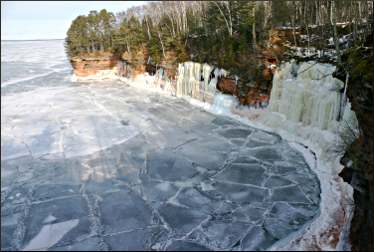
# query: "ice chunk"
50,218
223,104
50,235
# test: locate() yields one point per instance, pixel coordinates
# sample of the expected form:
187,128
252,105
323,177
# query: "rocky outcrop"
133,64
90,64
277,45
139,62
129,70
256,93
359,157
255,98
170,64
227,86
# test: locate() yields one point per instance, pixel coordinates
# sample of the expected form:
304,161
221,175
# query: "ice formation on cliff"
308,94
222,104
195,80
305,107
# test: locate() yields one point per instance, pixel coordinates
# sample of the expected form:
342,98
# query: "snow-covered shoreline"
336,195
99,76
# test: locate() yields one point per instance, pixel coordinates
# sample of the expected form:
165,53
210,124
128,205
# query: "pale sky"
49,20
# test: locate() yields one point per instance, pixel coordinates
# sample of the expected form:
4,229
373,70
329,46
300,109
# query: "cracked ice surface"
108,166
64,121
119,161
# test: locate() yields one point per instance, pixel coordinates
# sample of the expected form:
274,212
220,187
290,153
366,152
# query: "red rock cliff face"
136,63
270,57
265,61
90,64
170,64
227,86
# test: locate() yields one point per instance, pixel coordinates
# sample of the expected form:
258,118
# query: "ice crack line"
94,217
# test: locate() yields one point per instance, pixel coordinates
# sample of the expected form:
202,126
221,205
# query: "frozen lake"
107,166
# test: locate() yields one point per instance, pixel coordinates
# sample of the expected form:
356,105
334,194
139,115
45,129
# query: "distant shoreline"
21,40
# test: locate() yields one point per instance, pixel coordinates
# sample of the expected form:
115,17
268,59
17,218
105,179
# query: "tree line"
224,33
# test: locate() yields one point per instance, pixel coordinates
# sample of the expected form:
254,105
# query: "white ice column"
307,93
189,80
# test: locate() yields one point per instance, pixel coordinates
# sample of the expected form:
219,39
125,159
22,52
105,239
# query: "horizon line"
30,39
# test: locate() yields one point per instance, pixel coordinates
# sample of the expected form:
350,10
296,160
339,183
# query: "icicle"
189,79
194,79
344,96
207,70
308,94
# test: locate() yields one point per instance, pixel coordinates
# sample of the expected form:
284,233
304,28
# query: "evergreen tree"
77,37
90,33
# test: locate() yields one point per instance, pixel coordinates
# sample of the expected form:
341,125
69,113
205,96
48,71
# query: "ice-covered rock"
222,104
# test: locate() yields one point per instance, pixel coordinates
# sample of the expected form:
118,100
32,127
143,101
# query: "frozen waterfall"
308,93
196,80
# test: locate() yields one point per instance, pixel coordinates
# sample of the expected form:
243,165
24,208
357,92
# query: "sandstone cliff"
254,91
90,64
